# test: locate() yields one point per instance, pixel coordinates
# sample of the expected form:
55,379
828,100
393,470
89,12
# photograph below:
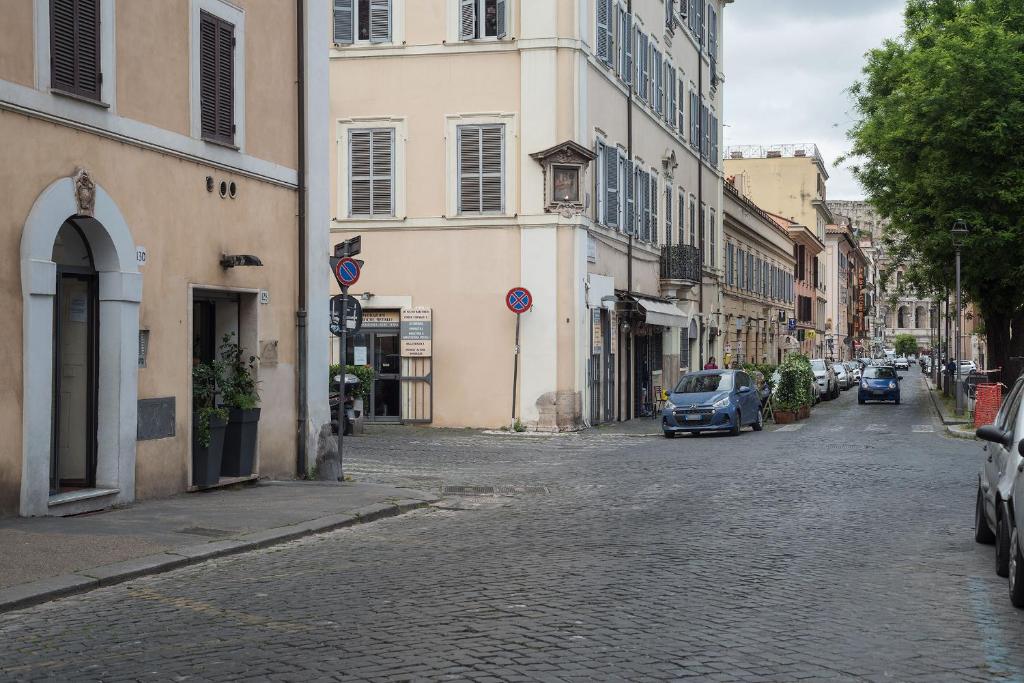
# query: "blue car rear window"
699,384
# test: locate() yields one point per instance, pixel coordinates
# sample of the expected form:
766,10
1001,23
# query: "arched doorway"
75,328
920,317
903,317
80,293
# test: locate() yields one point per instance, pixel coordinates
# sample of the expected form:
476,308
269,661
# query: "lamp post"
959,233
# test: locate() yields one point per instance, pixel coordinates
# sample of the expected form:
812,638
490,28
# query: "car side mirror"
1020,447
993,434
745,390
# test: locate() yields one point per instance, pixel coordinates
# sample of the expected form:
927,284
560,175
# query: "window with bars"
481,172
216,78
362,21
75,47
483,19
371,172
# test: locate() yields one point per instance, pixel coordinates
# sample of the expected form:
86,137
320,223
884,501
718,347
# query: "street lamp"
959,232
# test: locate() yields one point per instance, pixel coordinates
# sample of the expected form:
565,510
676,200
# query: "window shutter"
646,190
603,7
668,214
344,22
630,227
652,69
467,19
75,47
611,186
669,8
658,82
502,18
682,216
481,169
670,74
360,170
626,45
208,74
383,172
654,208
225,81
380,21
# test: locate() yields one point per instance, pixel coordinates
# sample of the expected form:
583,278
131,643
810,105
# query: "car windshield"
818,365
699,384
879,373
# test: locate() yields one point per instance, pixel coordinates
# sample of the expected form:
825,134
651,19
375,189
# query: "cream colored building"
570,147
140,149
790,181
759,290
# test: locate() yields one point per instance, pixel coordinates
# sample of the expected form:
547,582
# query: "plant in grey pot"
208,423
240,396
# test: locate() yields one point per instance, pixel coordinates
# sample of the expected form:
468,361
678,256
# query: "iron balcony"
680,262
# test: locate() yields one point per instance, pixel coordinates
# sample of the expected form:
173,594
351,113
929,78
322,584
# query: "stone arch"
120,291
903,317
921,317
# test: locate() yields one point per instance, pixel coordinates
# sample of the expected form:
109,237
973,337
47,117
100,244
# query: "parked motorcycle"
346,399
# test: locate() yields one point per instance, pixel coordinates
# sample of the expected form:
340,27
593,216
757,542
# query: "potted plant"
208,423
239,396
792,395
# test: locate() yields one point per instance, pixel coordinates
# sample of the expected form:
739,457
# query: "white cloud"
788,64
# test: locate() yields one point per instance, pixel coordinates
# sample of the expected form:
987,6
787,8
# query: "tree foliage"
939,135
905,345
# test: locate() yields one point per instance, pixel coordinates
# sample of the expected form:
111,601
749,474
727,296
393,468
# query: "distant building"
789,181
758,290
846,265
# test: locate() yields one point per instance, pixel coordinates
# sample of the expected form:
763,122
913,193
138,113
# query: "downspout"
301,314
629,233
700,196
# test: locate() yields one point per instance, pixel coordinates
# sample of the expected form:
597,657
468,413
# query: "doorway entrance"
380,349
75,342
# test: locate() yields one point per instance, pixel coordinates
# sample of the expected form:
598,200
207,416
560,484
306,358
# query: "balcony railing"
680,262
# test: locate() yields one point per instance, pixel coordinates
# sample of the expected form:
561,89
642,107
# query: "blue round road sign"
519,300
347,271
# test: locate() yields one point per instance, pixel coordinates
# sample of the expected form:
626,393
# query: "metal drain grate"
491,490
846,447
204,531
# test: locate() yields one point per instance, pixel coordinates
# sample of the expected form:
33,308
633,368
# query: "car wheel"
897,401
1002,546
860,400
669,434
1016,572
982,531
759,423
737,425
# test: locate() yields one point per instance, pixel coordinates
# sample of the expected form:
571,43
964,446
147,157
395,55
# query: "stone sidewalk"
46,557
959,427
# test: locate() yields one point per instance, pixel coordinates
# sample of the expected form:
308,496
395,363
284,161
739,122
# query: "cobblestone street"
839,548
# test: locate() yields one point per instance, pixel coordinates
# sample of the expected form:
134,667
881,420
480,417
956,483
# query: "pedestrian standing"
711,365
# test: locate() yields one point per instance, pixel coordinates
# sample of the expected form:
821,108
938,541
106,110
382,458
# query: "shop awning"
661,313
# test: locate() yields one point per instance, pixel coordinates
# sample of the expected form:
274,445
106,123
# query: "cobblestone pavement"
840,548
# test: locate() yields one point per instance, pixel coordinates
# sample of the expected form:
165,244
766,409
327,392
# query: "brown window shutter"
217,96
75,47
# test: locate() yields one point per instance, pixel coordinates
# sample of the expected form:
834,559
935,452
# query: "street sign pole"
341,380
515,373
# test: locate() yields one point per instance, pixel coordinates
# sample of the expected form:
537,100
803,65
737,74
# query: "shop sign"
416,332
377,319
595,334
613,342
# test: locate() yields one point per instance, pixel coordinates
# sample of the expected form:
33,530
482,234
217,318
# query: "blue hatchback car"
712,401
879,383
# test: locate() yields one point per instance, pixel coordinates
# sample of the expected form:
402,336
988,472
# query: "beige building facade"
789,180
129,178
759,290
566,147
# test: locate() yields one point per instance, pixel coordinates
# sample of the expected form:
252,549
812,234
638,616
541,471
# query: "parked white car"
967,367
901,363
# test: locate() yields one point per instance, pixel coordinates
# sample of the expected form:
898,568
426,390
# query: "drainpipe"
301,313
700,198
629,235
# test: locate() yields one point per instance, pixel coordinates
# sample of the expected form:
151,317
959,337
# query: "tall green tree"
905,344
940,134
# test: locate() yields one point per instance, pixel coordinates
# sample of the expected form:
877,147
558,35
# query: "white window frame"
235,15
108,56
397,28
343,128
455,20
510,185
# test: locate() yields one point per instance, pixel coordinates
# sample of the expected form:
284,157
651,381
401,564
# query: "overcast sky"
787,66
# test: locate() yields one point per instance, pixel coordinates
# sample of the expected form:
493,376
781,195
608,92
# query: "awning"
661,313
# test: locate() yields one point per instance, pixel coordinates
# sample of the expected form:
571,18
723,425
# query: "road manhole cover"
491,490
204,531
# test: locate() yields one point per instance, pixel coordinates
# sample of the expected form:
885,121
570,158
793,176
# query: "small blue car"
879,383
712,401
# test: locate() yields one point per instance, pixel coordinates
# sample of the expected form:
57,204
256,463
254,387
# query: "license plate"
878,392
691,417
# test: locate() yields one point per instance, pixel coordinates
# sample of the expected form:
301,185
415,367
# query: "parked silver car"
854,369
825,376
842,376
1000,498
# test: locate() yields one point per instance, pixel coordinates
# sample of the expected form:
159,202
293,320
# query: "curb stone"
36,592
950,425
